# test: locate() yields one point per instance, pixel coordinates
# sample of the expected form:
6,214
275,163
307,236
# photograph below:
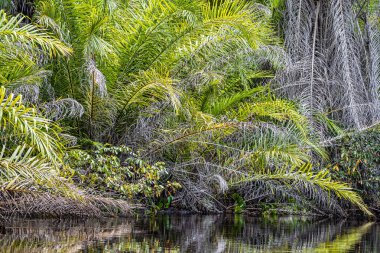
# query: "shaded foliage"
356,159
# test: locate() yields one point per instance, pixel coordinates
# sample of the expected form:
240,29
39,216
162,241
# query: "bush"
356,160
119,172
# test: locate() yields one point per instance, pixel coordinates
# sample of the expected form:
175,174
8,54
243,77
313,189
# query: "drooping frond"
23,172
310,183
62,108
22,124
151,86
347,59
27,37
29,93
330,67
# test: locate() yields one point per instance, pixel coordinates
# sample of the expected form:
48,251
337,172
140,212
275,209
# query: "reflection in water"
190,233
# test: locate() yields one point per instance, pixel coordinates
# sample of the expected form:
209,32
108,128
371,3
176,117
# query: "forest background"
109,106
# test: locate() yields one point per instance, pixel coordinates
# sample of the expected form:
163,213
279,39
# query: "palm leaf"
22,124
29,36
308,182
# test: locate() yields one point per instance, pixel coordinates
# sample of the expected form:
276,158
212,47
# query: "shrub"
119,172
356,160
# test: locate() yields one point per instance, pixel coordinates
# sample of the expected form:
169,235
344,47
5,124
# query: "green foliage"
119,172
131,56
356,161
21,125
239,203
311,186
30,162
186,82
31,147
31,151
21,47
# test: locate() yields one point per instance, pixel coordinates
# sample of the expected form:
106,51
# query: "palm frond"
306,181
149,87
222,104
29,36
22,124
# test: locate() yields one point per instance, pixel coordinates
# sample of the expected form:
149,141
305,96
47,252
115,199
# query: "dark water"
193,233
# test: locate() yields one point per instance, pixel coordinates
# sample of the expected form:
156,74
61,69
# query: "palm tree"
332,61
188,82
130,56
31,164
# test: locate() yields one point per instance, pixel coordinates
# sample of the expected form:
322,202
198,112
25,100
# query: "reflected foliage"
189,234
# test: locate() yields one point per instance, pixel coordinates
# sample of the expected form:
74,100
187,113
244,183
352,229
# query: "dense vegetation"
207,106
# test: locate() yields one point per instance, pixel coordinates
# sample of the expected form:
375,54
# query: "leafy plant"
356,161
30,160
118,172
22,48
239,203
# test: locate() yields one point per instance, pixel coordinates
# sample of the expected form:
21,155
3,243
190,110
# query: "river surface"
189,233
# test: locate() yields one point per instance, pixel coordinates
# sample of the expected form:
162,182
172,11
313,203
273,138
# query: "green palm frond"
93,41
28,37
20,124
330,124
153,30
274,109
24,173
22,48
308,183
241,16
49,15
223,104
150,86
187,136
13,76
25,169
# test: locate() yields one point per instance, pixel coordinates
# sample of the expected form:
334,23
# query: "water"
190,233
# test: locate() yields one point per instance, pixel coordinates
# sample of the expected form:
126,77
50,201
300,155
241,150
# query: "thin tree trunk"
313,56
